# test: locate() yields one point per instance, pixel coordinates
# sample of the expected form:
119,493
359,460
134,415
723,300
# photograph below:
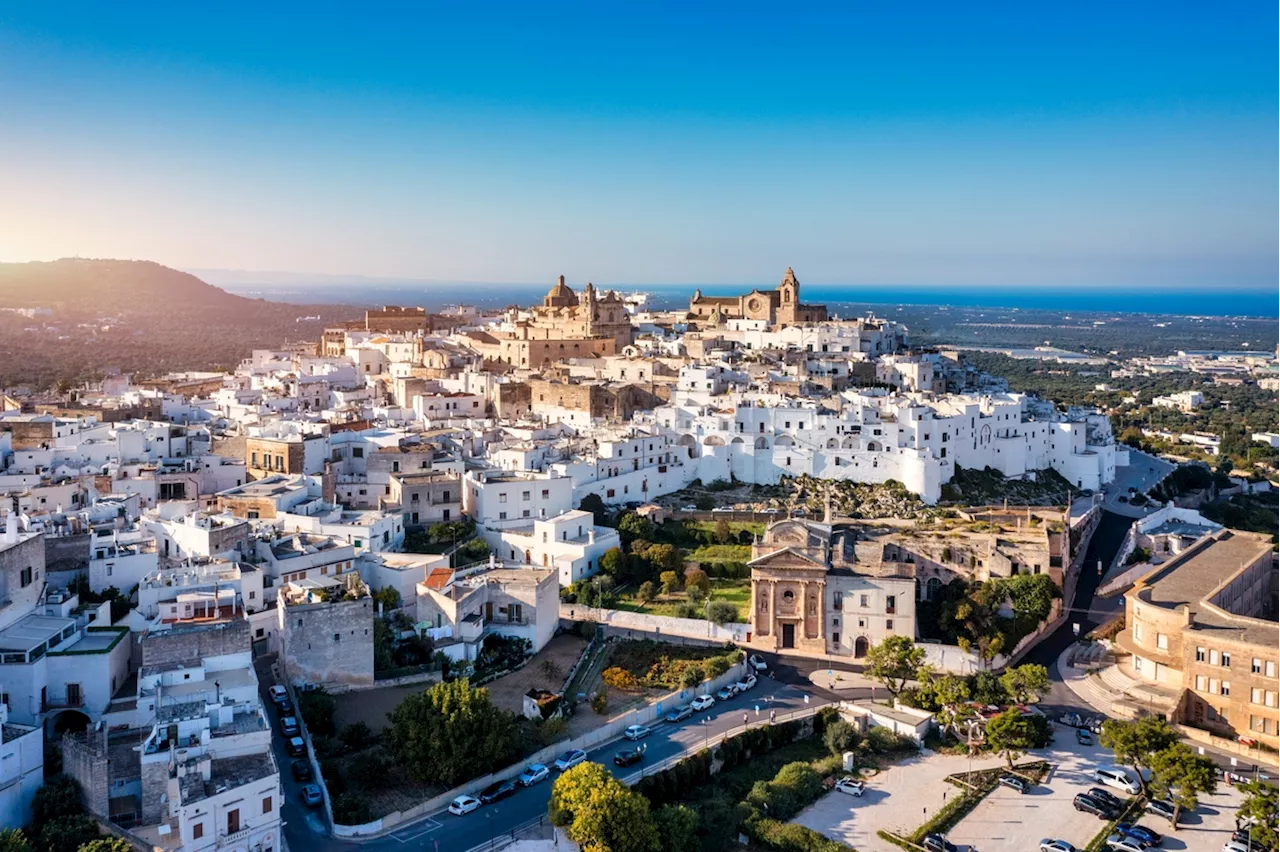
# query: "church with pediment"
808,593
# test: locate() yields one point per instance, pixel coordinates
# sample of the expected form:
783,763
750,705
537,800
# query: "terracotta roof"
438,578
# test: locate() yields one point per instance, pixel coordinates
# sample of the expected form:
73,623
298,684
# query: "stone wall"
329,643
185,644
68,553
84,760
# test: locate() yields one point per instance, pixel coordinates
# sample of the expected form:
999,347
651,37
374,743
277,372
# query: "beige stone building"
564,326
1201,628
809,593
776,307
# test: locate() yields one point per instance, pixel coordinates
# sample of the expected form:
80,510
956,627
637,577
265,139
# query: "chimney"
11,528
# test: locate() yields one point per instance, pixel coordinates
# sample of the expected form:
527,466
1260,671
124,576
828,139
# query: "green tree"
893,662
670,582
106,844
1181,775
722,533
647,591
696,578
67,833
840,737
1026,682
722,612
317,708
1010,735
388,597
614,562
593,504
13,840
383,645
632,526
599,812
1260,808
664,557
1136,742
450,733
947,695
57,798
677,827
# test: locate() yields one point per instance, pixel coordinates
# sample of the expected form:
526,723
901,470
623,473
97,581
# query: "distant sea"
1138,300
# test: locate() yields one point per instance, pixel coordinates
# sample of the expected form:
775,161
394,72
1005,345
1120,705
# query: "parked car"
301,770
1120,843
570,759
745,682
311,795
532,775
1117,778
296,746
463,805
289,725
938,843
1048,845
1241,835
703,702
852,786
1140,833
628,757
688,508
497,791
1014,782
1089,805
726,692
679,714
637,732
1084,737
1159,807
1105,796
757,662
723,509
1234,846
277,692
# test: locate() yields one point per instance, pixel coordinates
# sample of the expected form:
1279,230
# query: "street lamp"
706,735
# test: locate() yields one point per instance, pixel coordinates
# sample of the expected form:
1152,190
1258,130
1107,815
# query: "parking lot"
904,796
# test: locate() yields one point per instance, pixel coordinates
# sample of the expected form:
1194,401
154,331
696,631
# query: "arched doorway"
932,586
860,647
68,722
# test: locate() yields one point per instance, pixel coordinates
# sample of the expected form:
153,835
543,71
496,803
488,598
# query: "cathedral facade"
780,307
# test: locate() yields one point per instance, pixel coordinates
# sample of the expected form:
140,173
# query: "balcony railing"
61,702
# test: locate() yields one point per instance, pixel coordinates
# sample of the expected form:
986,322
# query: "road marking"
431,825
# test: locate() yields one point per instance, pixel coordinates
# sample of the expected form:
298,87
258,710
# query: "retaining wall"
618,622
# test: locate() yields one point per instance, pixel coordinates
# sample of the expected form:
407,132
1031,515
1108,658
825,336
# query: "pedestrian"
744,720
773,716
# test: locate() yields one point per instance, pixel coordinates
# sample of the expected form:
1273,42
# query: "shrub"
600,702
317,708
357,735
882,740
722,612
351,809
620,678
840,737
692,676
368,771
717,666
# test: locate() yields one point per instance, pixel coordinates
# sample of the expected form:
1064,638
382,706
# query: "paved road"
446,832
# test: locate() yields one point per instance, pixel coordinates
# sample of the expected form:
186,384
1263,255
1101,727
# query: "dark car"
1090,805
311,795
289,725
1102,794
497,791
628,757
1015,783
301,770
296,746
684,711
938,843
1159,808
1140,833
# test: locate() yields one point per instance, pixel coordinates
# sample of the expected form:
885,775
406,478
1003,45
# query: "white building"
497,499
21,769
1185,401
569,543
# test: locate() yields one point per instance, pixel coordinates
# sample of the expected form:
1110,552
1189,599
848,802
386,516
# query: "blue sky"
896,144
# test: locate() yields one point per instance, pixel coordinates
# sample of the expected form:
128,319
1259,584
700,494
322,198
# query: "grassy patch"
659,664
736,592
721,553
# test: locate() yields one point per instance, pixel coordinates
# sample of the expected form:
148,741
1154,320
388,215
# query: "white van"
1117,778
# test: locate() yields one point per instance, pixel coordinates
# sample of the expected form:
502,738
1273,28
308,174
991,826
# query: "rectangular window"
197,830
1255,696
502,498
864,600
888,624
1162,641
1226,688
1226,659
26,576
1271,668
838,601
1213,685
1213,658
266,804
1137,632
1255,666
233,821
891,604
835,638
526,495
1200,655
502,516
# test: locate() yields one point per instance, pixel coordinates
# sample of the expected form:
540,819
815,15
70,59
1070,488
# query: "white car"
570,759
1048,845
532,775
463,805
1120,843
757,662
1117,778
688,508
723,509
703,702
1234,846
637,732
746,682
278,693
852,786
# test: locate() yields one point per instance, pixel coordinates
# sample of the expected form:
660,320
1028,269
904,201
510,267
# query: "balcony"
72,701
